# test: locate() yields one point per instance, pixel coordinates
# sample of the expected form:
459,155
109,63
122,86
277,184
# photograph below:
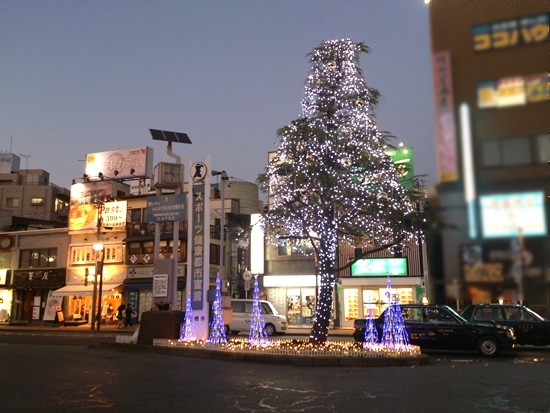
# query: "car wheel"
488,346
270,329
226,329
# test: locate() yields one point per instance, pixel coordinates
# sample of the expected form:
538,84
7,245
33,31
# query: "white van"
275,323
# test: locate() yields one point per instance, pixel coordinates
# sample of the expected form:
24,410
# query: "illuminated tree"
331,180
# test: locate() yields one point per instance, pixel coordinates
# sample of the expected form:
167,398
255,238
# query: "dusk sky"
80,77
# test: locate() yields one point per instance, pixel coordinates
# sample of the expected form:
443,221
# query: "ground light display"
331,180
394,342
257,335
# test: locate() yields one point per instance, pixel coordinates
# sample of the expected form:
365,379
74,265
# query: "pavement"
112,328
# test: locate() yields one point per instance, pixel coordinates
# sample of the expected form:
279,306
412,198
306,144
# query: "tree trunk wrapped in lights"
331,175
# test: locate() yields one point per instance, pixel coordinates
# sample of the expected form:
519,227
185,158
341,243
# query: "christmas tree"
188,328
257,335
217,327
331,180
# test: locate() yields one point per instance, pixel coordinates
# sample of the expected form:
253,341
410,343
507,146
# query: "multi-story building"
28,200
42,271
491,109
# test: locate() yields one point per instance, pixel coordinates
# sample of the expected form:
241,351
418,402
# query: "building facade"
490,98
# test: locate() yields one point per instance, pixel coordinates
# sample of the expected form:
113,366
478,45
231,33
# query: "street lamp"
98,248
224,177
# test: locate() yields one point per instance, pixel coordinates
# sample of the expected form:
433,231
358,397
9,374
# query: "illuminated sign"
124,163
510,33
368,267
403,158
512,91
504,215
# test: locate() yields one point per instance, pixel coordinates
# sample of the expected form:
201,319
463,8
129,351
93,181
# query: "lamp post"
98,248
100,256
224,177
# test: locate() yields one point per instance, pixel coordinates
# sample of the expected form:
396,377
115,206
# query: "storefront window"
371,303
300,305
351,304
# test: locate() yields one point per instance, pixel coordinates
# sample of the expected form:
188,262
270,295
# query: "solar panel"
168,136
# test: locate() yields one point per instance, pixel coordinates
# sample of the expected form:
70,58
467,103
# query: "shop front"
31,289
5,296
77,301
78,293
294,296
361,297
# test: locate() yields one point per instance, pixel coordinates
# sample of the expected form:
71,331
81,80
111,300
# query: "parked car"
530,327
275,323
440,327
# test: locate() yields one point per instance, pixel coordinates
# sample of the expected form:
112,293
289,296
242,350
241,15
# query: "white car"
275,323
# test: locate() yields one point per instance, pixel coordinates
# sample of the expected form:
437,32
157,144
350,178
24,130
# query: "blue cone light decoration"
257,335
217,326
394,335
188,328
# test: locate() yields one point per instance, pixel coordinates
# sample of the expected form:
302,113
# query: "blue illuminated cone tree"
217,326
257,335
188,328
394,334
331,180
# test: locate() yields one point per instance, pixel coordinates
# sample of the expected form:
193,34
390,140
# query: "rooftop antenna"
26,160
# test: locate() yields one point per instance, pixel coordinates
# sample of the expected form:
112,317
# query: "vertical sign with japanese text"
444,118
198,256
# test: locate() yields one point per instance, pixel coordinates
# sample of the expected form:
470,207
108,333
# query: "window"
516,151
59,205
543,148
215,254
12,202
143,252
524,150
35,201
87,255
39,258
135,215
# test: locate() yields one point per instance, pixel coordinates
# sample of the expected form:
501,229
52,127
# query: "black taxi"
439,327
530,327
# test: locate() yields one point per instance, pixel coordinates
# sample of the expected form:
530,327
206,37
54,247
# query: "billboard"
120,164
504,215
368,267
85,216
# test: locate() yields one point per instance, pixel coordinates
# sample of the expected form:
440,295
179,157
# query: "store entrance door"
300,306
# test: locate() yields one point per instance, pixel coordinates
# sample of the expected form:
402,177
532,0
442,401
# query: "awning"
85,290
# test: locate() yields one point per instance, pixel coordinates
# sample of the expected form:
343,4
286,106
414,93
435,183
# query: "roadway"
64,371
